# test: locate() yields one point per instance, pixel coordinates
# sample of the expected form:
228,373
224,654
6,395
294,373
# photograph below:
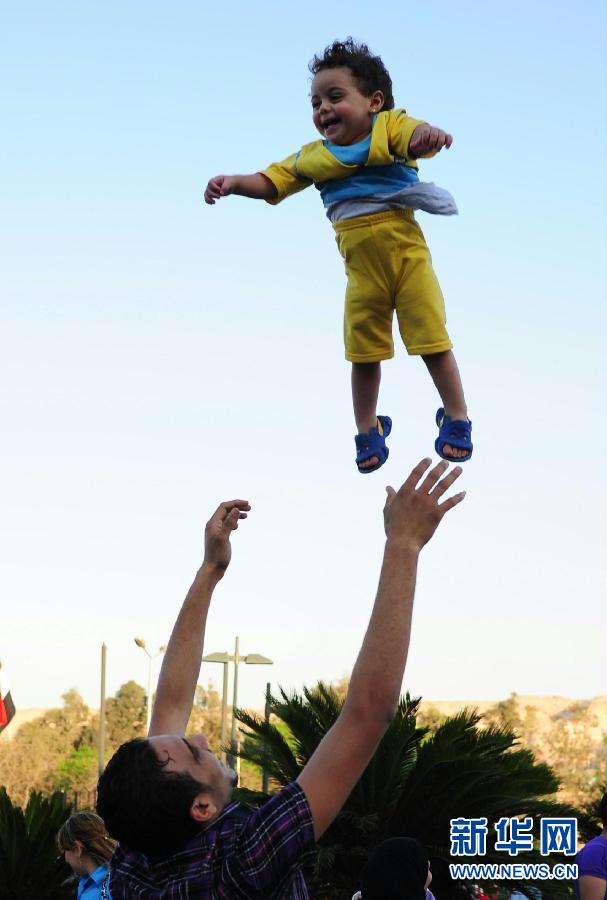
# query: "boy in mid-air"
365,169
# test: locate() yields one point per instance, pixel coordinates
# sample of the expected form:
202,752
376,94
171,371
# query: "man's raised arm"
411,517
181,664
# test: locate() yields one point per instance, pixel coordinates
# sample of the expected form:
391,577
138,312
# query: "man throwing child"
168,799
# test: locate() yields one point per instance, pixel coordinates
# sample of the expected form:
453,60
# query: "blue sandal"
373,443
455,432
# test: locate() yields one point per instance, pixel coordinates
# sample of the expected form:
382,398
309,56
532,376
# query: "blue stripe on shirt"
367,180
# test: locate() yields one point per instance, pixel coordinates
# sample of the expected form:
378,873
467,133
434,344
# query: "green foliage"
126,714
580,760
206,714
569,740
59,750
416,782
30,866
430,717
76,771
31,758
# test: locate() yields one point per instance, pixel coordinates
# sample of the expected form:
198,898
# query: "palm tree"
30,866
415,784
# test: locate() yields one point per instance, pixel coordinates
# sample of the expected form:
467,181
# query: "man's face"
193,755
340,111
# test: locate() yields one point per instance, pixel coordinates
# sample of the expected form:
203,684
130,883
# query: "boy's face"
340,111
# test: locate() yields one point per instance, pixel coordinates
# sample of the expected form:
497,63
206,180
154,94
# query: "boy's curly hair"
368,70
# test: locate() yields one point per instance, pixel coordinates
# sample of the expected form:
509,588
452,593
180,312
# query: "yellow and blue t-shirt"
377,170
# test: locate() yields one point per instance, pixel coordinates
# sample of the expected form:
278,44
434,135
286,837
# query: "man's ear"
203,807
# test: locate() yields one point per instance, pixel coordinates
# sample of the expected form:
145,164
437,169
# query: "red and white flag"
7,707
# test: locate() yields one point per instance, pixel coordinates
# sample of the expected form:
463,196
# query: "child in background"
366,171
88,848
397,869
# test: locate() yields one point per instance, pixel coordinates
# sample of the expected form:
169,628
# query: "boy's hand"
219,186
412,514
427,139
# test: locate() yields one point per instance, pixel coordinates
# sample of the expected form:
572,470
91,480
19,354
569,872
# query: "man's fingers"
415,475
451,502
391,494
447,481
224,509
231,520
228,505
433,476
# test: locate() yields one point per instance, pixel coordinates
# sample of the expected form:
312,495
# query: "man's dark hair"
143,806
603,810
368,70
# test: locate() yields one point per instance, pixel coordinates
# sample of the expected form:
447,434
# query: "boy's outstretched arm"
427,140
256,186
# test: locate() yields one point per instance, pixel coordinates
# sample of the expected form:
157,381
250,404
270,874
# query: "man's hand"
217,549
219,186
426,139
412,514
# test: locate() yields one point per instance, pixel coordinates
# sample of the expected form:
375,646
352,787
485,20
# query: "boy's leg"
446,377
366,378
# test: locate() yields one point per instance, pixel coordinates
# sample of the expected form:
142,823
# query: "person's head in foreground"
397,869
157,793
84,840
349,87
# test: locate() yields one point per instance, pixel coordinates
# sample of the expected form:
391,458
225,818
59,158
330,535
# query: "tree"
30,759
580,760
206,714
430,717
570,741
414,785
78,772
505,714
125,715
29,864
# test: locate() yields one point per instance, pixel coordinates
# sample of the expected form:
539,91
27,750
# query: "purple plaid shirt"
242,855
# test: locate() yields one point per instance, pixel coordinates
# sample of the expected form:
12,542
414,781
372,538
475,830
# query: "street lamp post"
102,712
251,659
151,656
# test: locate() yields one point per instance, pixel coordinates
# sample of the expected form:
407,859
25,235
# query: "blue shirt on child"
89,886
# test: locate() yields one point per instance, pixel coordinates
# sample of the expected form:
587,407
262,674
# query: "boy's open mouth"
329,122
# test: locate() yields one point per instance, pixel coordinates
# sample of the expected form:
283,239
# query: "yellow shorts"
389,268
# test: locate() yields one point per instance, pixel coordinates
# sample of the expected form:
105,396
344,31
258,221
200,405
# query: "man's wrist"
402,545
210,572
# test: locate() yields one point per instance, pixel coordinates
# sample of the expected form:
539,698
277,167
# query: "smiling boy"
366,171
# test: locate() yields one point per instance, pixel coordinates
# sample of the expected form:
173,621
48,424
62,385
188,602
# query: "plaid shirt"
242,855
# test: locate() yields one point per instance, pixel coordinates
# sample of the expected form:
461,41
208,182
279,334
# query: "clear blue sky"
158,355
